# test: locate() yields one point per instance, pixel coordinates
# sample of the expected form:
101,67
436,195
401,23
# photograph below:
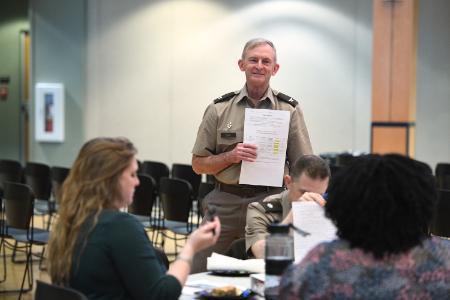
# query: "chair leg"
49,221
163,238
155,238
42,268
28,271
176,244
13,257
2,248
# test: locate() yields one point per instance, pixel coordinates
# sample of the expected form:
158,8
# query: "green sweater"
119,262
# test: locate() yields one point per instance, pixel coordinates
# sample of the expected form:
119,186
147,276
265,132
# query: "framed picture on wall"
49,112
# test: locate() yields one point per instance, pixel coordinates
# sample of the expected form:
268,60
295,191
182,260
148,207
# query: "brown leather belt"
244,190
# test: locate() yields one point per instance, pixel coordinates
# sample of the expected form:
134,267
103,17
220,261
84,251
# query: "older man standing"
219,148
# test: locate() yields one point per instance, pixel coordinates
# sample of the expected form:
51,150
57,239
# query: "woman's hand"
205,236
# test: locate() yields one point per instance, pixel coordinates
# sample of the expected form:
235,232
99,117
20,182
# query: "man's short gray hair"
258,42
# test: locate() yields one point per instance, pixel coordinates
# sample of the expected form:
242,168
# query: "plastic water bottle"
279,255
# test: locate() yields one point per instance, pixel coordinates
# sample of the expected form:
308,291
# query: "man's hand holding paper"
268,130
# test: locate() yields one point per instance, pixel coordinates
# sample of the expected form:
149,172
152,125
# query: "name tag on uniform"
228,135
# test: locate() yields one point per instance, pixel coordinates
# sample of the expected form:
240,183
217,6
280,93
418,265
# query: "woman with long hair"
103,252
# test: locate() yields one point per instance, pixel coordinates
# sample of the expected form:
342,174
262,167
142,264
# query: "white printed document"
268,129
310,217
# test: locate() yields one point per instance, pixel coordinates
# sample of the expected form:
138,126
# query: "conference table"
201,281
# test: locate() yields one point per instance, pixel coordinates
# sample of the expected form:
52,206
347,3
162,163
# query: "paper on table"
268,129
223,262
310,217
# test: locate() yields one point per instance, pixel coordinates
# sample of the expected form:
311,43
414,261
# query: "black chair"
156,170
142,206
47,291
176,202
57,176
10,170
186,172
442,173
37,176
440,225
237,249
19,226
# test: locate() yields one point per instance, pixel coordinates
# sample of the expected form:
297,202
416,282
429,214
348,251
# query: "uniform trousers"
232,212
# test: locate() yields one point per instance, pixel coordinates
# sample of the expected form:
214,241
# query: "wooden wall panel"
394,75
403,84
381,64
389,140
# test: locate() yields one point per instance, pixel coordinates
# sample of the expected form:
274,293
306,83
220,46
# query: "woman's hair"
92,185
382,204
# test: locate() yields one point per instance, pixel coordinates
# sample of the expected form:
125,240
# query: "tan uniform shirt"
260,215
223,127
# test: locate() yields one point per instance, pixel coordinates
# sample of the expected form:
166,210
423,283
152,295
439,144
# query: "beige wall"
153,67
149,69
433,82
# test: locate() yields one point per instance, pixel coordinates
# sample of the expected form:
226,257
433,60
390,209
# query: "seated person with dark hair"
382,207
308,181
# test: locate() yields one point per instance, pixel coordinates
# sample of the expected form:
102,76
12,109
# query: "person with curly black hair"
382,206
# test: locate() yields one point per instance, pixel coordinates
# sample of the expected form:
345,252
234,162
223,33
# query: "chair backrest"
440,224
144,196
176,199
186,172
57,176
442,173
37,176
155,169
237,249
10,170
18,200
47,291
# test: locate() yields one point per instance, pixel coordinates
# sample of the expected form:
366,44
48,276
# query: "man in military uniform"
219,148
308,181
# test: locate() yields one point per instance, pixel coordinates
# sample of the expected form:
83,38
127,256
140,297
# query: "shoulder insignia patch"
287,99
272,206
225,97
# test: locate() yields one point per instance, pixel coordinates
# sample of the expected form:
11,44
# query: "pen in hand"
211,213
